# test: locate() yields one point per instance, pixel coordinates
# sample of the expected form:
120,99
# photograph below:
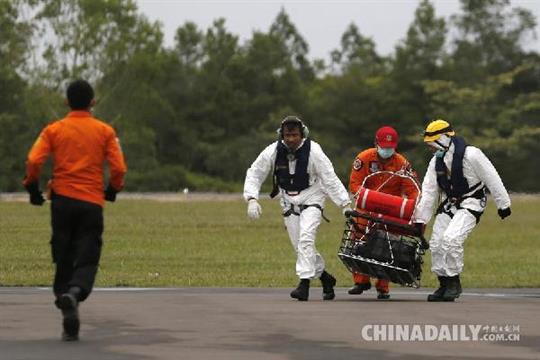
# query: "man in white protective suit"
457,178
303,176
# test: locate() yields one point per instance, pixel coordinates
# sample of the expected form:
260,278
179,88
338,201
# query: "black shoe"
453,289
383,295
328,283
302,290
438,295
69,306
66,337
358,289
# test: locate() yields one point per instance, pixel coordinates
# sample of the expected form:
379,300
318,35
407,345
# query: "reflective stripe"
441,131
364,199
402,210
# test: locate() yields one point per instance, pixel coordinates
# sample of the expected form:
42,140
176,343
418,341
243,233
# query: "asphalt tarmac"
261,324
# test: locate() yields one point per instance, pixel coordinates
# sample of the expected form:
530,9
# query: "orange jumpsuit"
78,160
368,162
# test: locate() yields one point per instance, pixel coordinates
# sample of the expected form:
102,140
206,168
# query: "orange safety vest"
367,162
79,144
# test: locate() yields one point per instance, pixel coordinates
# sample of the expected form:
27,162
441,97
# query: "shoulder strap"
275,190
460,185
442,178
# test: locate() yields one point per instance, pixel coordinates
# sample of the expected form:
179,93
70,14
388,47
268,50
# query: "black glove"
110,193
420,227
504,212
36,196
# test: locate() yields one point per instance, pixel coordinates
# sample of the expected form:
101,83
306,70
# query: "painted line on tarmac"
502,295
477,294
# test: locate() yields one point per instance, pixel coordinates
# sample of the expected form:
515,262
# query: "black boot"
383,295
358,289
328,283
453,290
302,290
69,305
438,295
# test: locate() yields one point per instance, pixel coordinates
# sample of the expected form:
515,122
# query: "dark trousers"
76,243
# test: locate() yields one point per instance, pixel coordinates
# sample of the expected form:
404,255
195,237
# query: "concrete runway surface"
261,324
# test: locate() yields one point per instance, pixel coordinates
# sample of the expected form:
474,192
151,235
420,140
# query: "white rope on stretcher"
403,173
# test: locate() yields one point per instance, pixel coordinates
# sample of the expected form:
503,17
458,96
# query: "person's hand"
254,210
110,193
420,227
345,209
504,212
36,196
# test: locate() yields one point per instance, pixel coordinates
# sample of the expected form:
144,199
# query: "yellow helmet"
436,128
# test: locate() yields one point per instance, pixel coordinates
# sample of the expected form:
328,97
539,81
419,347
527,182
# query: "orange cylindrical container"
385,204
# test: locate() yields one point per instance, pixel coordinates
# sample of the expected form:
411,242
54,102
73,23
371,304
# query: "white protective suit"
301,225
450,231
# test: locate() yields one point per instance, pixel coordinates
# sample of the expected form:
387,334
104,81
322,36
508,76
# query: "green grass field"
212,243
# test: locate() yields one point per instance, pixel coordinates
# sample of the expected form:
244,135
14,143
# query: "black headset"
304,130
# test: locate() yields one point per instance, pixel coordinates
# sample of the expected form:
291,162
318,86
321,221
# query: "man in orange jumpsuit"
382,157
79,144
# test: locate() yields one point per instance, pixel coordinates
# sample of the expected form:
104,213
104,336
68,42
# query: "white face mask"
441,144
385,153
444,141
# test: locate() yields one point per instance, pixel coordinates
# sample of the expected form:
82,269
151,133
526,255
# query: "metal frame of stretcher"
355,237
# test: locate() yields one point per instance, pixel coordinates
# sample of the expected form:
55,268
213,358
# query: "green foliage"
502,123
175,178
196,115
92,36
418,58
357,51
490,37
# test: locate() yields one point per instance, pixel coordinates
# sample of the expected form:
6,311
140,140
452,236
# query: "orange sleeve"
358,174
117,164
37,156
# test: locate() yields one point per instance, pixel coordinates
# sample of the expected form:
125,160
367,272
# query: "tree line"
196,114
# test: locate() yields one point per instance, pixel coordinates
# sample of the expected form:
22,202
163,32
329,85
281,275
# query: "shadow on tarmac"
100,340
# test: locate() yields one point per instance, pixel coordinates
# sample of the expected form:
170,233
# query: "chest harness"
293,184
456,186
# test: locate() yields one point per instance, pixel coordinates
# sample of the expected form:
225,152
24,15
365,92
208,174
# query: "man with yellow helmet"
457,177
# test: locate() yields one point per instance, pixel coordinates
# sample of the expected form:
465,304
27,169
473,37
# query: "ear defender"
304,130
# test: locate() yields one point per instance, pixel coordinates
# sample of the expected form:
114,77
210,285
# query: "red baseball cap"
387,137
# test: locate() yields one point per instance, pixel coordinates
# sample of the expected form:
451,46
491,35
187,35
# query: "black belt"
302,208
446,205
291,212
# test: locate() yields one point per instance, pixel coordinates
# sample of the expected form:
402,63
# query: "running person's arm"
37,156
117,164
